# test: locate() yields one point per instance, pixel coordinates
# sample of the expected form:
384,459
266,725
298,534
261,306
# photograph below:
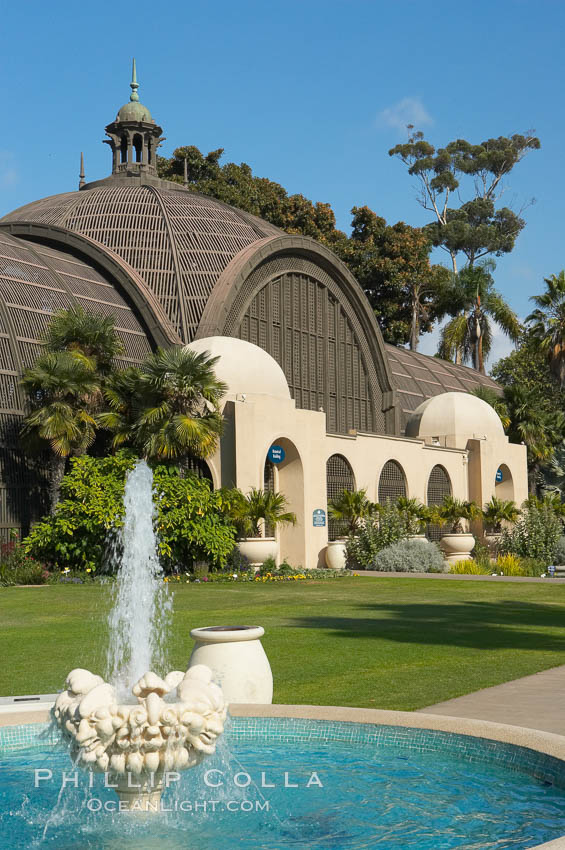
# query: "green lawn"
383,643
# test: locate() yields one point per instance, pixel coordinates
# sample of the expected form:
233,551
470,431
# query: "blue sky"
311,94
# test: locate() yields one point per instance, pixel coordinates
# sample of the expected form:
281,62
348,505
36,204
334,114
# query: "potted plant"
349,510
252,514
457,544
415,515
495,513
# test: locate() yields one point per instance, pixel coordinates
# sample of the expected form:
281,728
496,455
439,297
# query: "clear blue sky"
310,93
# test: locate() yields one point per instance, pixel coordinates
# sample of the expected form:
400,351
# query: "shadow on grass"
478,625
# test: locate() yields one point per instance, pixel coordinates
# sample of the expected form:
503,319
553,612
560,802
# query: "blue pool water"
361,794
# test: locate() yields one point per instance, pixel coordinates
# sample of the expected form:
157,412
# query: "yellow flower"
88,570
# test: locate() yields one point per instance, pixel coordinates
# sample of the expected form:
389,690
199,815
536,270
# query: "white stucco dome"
455,415
244,367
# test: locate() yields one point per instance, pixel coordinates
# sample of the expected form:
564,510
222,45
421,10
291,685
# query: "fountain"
137,727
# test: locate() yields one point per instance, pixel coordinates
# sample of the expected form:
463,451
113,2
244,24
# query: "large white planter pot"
258,549
237,659
336,555
457,547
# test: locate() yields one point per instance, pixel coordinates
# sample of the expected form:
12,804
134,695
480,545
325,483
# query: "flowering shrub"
535,534
17,567
193,522
388,527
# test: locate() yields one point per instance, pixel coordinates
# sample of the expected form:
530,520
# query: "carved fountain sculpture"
138,732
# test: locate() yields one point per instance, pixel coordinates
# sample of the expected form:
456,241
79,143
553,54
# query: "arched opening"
138,146
504,485
289,480
198,467
124,149
439,486
339,477
392,482
269,486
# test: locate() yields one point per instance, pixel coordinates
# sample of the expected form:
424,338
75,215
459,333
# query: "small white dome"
244,367
455,415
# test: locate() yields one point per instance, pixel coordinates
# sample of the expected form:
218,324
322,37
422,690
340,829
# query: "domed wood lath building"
179,268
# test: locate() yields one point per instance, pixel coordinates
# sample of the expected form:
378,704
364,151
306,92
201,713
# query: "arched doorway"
339,477
199,468
392,482
504,485
439,486
287,478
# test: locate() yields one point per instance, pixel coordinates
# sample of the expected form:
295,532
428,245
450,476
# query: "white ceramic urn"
457,547
258,549
238,661
336,556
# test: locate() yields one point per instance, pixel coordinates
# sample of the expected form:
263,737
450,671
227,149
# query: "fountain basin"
237,659
375,767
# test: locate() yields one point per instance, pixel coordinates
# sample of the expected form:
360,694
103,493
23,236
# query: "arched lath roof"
418,377
358,352
178,241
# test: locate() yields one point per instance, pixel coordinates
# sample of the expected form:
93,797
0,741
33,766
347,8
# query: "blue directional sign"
499,476
319,518
276,454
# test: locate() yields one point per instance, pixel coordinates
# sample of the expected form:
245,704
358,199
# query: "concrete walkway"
535,702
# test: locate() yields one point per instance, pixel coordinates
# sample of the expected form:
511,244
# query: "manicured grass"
383,643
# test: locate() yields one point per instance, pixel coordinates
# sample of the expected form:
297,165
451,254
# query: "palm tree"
541,430
58,388
260,506
88,334
350,508
548,324
123,394
498,511
473,302
179,412
496,400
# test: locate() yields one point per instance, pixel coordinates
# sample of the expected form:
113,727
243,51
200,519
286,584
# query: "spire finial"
81,175
134,84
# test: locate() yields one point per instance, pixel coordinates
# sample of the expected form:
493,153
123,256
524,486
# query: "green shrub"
559,551
388,527
192,521
409,556
481,556
535,534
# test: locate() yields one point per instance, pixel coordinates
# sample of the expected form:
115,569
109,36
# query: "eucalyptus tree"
476,227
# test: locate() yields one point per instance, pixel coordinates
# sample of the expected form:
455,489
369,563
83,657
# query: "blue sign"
319,518
499,476
276,454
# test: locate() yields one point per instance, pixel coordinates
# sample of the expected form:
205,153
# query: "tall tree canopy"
390,262
475,227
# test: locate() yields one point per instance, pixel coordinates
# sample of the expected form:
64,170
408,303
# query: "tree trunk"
415,325
57,471
480,358
532,478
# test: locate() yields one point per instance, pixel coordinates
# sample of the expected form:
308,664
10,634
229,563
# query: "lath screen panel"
303,327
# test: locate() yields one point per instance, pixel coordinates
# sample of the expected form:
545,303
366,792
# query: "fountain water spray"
137,740
137,643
